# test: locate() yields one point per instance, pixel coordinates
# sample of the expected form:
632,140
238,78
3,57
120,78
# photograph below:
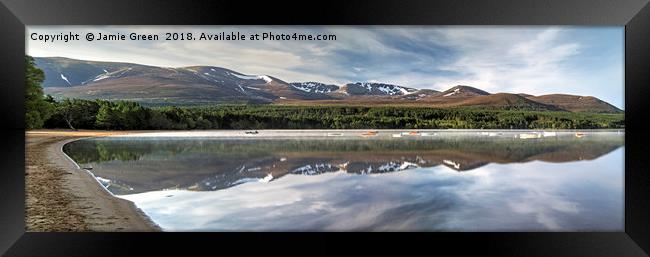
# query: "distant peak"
465,87
375,88
462,90
314,87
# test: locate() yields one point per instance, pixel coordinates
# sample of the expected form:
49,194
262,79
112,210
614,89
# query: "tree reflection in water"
136,165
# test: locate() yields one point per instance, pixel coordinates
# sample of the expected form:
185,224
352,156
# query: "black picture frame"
633,14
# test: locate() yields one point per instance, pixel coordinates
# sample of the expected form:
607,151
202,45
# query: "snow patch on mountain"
315,169
266,79
397,166
243,76
101,76
406,91
456,91
66,79
452,163
208,77
387,89
265,179
313,87
306,89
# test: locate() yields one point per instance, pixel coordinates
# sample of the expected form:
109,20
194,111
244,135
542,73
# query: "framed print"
514,127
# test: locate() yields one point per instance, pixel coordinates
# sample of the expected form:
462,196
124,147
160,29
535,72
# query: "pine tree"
37,108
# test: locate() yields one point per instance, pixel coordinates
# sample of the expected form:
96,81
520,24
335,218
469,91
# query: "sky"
536,60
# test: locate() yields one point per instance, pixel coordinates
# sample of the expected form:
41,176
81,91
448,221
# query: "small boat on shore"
414,133
369,133
530,135
549,134
428,134
580,134
410,133
334,134
397,135
251,132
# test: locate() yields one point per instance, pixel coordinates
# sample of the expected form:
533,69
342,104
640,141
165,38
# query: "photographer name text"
175,36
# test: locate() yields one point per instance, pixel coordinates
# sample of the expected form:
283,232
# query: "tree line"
489,148
123,115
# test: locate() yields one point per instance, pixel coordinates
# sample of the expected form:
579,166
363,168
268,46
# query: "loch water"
397,181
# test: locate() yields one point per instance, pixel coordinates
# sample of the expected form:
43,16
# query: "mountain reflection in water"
468,182
136,165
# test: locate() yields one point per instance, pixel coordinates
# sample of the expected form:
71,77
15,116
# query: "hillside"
576,103
507,101
209,85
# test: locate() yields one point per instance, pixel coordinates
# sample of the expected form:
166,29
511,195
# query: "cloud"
534,196
535,60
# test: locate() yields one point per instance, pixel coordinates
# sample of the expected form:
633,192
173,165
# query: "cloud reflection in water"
533,196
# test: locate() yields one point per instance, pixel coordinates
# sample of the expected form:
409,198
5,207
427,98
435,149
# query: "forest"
123,115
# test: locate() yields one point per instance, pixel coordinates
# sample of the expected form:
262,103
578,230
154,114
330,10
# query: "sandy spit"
62,197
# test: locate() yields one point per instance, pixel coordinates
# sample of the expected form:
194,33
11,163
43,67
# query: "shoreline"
60,196
355,133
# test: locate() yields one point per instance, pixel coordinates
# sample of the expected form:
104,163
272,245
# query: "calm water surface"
431,182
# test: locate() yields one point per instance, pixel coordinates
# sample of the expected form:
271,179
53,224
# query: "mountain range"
204,85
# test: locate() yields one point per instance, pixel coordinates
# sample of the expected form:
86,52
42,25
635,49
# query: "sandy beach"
62,197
